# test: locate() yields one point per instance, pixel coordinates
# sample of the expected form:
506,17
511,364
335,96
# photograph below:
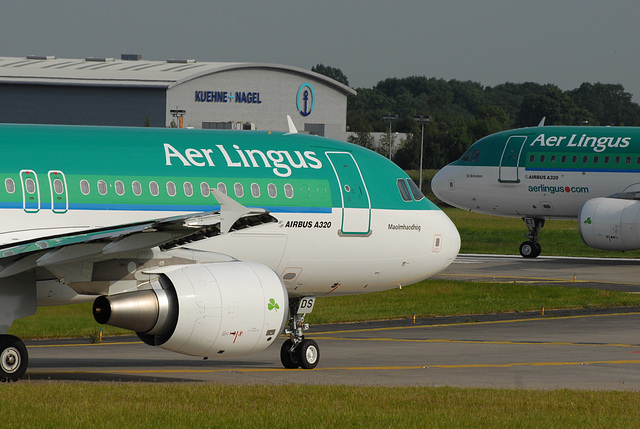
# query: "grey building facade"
134,92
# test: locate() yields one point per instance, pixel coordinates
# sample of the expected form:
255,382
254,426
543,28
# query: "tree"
332,72
362,138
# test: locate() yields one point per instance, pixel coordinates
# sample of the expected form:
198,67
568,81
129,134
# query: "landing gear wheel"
530,249
289,358
308,354
14,358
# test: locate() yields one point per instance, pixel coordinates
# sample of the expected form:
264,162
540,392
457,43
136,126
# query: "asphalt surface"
582,349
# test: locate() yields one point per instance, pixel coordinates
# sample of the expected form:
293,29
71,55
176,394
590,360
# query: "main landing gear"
531,248
14,358
298,351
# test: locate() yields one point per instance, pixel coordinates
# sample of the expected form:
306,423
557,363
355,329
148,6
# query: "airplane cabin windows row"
595,159
154,188
172,191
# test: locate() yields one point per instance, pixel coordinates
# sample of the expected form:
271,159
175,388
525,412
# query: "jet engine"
231,308
611,223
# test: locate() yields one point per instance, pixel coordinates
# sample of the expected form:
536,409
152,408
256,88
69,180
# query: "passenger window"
585,159
188,189
119,187
137,188
154,188
239,190
617,160
273,191
404,191
171,189
102,187
31,185
563,159
417,193
606,159
574,159
10,186
541,158
596,159
532,158
58,186
288,191
204,189
222,188
255,190
553,159
84,187
628,160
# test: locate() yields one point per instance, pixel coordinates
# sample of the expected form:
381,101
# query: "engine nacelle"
231,308
610,223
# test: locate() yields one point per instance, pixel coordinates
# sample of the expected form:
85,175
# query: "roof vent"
130,57
181,61
41,57
98,59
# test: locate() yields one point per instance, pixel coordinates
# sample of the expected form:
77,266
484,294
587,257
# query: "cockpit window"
404,191
471,155
417,193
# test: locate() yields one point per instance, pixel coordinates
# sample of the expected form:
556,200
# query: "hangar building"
136,92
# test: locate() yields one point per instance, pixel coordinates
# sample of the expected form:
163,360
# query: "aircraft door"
510,161
356,205
30,191
59,195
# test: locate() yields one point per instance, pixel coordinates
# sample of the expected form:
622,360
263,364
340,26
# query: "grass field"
217,406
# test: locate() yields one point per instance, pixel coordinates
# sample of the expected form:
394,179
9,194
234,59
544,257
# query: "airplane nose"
451,241
441,183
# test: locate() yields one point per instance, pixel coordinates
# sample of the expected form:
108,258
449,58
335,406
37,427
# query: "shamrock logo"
588,221
273,305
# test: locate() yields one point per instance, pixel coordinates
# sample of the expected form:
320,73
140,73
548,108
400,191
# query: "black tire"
14,358
529,249
288,358
308,354
537,249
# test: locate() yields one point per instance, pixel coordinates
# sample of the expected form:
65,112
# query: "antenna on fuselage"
292,128
541,124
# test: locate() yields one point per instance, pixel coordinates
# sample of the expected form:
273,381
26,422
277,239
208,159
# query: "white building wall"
275,94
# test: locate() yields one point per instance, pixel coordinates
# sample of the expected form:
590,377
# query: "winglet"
292,128
541,124
230,210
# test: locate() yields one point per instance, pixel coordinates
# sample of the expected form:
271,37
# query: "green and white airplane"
591,174
206,243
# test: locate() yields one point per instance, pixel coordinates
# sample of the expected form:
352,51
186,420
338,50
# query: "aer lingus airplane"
206,243
591,174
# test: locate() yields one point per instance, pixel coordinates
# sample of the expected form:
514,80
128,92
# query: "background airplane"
206,243
587,173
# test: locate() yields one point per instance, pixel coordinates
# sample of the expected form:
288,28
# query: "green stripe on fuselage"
189,156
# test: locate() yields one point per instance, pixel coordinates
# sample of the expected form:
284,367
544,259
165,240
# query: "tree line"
462,112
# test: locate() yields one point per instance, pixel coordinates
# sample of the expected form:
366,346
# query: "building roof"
48,70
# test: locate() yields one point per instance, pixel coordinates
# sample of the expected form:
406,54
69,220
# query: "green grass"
293,406
502,235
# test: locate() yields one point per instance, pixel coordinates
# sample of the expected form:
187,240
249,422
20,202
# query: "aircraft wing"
109,242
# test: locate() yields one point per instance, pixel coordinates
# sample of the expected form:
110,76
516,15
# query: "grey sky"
563,42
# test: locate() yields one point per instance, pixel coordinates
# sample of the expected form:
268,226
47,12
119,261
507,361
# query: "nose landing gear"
531,248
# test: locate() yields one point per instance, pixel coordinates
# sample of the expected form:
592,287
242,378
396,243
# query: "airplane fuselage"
542,172
337,205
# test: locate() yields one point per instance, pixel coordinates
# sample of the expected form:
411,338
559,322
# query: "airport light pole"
391,117
421,120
